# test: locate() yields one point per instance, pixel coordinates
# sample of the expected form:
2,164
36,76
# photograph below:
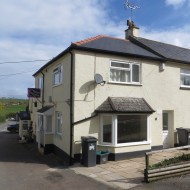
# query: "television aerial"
131,6
99,79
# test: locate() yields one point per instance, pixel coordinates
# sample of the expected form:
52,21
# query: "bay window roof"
124,105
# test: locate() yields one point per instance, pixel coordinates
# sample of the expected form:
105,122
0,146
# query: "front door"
41,130
167,129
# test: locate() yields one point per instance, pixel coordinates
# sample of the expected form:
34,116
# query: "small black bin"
89,151
102,157
183,136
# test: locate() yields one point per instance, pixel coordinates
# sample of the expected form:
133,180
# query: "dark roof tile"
168,51
111,44
125,105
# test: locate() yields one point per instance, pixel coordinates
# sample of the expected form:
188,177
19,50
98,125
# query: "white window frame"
40,122
113,128
40,82
59,116
114,132
184,74
130,69
58,71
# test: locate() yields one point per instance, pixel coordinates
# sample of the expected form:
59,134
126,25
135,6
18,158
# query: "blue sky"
38,29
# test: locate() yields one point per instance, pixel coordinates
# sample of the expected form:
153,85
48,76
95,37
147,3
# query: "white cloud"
176,3
179,37
40,30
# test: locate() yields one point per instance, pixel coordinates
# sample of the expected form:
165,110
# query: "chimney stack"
132,30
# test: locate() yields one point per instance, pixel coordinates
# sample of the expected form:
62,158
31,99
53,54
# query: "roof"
168,51
44,109
116,45
133,47
124,105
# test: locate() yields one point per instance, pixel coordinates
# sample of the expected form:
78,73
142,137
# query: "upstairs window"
57,75
125,72
40,83
185,78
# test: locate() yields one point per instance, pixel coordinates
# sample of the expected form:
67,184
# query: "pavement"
124,174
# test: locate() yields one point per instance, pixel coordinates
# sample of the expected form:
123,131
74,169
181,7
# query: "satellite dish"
99,79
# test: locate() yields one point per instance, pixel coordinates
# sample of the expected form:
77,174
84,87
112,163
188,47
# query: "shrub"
2,118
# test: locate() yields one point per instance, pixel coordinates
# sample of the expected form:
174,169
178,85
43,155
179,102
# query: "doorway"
167,129
41,131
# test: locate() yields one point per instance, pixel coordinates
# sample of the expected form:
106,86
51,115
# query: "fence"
167,163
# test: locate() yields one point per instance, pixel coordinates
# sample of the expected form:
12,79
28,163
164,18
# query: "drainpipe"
42,89
71,111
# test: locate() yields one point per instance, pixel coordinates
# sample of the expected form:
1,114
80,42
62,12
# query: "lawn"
11,106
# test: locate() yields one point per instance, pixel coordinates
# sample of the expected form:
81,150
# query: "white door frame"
168,135
41,130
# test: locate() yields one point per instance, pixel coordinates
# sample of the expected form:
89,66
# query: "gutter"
85,119
71,110
43,77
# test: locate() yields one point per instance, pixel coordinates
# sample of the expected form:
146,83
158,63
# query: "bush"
2,118
10,115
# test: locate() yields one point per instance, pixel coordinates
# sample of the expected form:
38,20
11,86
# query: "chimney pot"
132,30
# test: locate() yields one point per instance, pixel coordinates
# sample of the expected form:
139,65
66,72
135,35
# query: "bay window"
125,72
107,129
124,129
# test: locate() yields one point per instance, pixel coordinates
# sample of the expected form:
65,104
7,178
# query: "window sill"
123,83
55,85
58,135
126,144
49,133
184,88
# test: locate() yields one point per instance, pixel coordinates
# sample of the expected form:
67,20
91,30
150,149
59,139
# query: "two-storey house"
137,107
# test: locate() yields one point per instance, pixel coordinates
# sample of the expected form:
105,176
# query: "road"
23,168
175,183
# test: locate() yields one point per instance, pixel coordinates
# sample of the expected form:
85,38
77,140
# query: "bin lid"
88,139
185,129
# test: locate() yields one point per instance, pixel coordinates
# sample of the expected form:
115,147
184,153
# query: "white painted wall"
160,89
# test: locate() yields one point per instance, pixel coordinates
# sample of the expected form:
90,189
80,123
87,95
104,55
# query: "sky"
33,32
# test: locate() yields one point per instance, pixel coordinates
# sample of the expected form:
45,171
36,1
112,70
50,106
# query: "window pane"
59,122
57,75
132,128
40,122
40,82
165,121
49,124
135,75
56,78
119,75
185,71
185,80
107,129
117,64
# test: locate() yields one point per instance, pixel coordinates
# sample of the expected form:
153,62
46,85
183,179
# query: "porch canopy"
125,105
46,110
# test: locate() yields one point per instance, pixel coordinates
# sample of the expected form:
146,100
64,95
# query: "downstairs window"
124,129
